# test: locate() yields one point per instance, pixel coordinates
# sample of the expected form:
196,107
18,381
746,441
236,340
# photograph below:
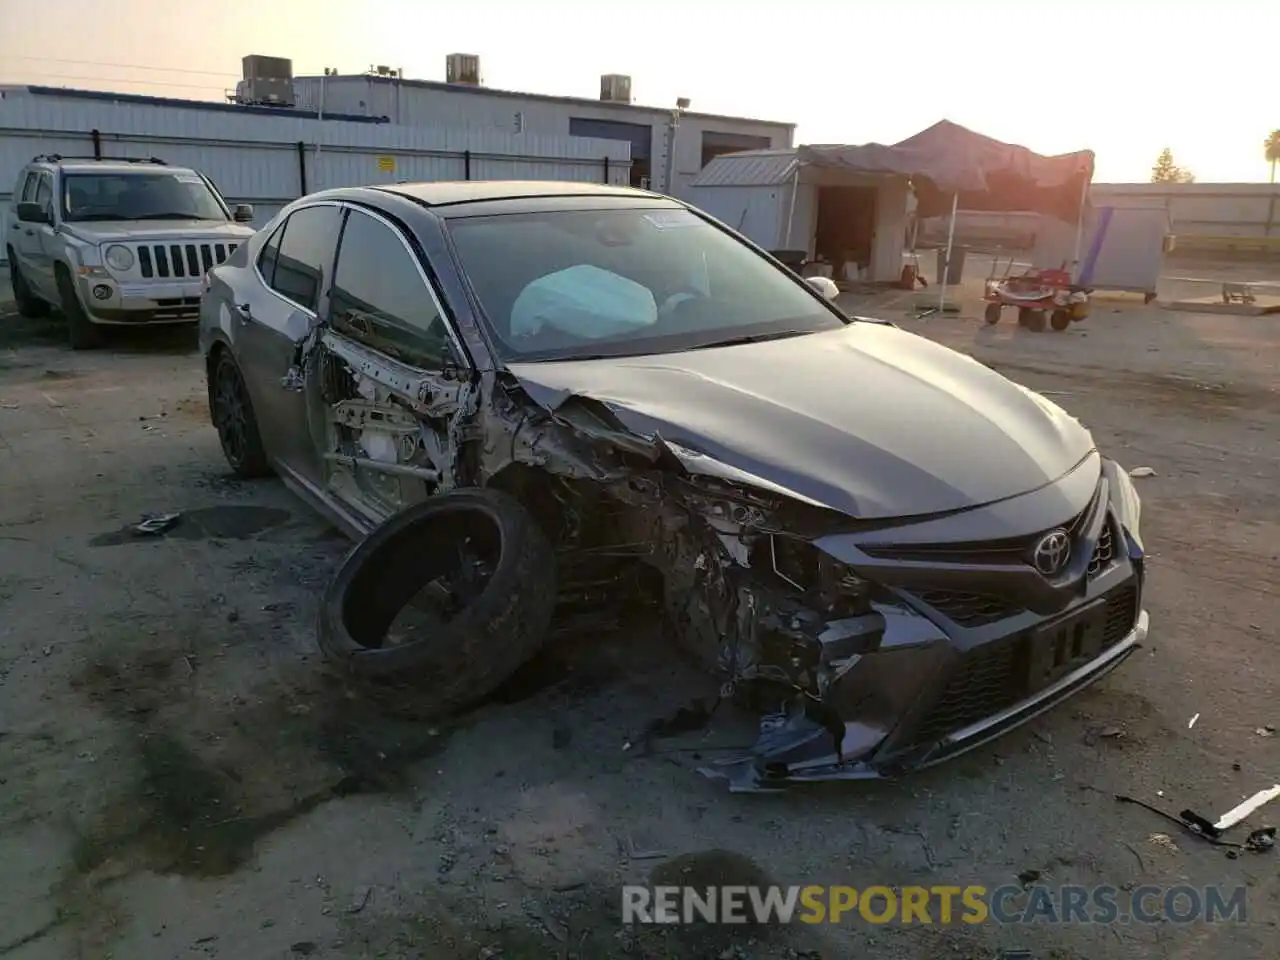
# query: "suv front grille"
994,676
181,260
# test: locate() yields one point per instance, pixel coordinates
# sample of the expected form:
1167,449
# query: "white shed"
839,216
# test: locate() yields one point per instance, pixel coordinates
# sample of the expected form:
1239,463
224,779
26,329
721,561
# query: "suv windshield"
566,284
138,196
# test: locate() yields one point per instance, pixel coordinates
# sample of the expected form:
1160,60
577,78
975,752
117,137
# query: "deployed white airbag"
583,301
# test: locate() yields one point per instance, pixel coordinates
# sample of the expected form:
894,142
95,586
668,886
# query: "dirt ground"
180,777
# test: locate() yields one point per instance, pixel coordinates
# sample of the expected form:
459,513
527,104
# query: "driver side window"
381,298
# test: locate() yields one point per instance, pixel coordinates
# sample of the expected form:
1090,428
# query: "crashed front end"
874,651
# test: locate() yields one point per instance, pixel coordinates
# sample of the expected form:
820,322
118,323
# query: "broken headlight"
834,585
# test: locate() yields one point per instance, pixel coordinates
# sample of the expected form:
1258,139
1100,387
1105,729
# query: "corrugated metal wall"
255,158
416,104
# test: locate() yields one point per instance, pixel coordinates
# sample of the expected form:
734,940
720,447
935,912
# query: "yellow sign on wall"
387,164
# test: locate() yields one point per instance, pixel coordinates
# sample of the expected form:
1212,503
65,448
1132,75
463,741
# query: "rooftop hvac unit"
462,68
615,88
267,80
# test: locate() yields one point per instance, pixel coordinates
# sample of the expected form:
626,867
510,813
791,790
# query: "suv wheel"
85,335
29,305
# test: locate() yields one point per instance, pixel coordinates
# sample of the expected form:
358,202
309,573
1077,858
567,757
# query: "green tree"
1271,150
1166,171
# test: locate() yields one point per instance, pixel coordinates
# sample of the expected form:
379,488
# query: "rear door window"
304,259
381,298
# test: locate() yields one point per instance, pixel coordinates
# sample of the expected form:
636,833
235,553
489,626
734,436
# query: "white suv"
122,242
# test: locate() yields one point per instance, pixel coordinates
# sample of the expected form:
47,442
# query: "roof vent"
463,68
615,88
267,81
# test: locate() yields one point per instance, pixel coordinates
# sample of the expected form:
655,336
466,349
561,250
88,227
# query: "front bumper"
108,300
756,774
954,670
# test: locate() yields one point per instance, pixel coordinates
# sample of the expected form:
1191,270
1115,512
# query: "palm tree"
1271,149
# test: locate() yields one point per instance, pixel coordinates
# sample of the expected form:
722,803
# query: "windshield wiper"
168,216
87,217
752,338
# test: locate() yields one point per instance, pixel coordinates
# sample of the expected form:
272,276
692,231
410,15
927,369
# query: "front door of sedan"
296,266
389,375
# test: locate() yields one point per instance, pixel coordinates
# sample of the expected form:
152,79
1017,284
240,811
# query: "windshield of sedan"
138,196
567,284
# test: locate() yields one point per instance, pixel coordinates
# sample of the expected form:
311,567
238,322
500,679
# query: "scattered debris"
1257,842
1192,722
1139,472
153,525
1238,813
1265,731
1163,840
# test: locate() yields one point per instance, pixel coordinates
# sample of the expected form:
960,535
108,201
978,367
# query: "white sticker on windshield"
672,219
187,178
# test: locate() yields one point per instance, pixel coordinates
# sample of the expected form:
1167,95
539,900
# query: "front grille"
181,260
995,676
969,609
1104,554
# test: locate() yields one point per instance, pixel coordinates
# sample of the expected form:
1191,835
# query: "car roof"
447,192
69,165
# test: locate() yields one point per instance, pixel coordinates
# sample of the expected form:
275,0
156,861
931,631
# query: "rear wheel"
84,333
992,313
29,305
233,417
1035,321
1060,320
442,602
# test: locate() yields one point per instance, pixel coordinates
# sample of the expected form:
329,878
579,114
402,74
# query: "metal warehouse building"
464,102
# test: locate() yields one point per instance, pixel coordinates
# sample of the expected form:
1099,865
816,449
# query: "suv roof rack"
58,158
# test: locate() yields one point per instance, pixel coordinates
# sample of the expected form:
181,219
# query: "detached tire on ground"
476,552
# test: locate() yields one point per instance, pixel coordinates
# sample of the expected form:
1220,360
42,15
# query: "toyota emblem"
1051,554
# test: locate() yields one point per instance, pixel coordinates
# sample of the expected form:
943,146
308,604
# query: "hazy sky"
1123,77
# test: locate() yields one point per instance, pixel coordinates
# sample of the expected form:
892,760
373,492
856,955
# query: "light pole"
682,104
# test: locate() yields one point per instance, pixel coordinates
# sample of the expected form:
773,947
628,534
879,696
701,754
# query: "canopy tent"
950,165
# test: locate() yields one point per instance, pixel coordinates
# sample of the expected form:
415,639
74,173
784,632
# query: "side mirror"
33,213
825,286
243,213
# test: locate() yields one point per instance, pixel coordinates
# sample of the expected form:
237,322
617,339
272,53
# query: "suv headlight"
119,257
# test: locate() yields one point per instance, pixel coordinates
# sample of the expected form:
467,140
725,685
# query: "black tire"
1060,320
992,314
466,657
231,411
29,305
1023,314
84,333
1035,321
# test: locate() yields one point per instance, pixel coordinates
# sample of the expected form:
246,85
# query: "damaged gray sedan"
517,394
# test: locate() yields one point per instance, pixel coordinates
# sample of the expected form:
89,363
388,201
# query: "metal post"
97,144
606,168
946,266
1084,197
791,209
670,172
302,167
466,164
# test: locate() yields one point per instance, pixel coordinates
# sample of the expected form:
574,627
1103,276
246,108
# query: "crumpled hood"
868,420
118,231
